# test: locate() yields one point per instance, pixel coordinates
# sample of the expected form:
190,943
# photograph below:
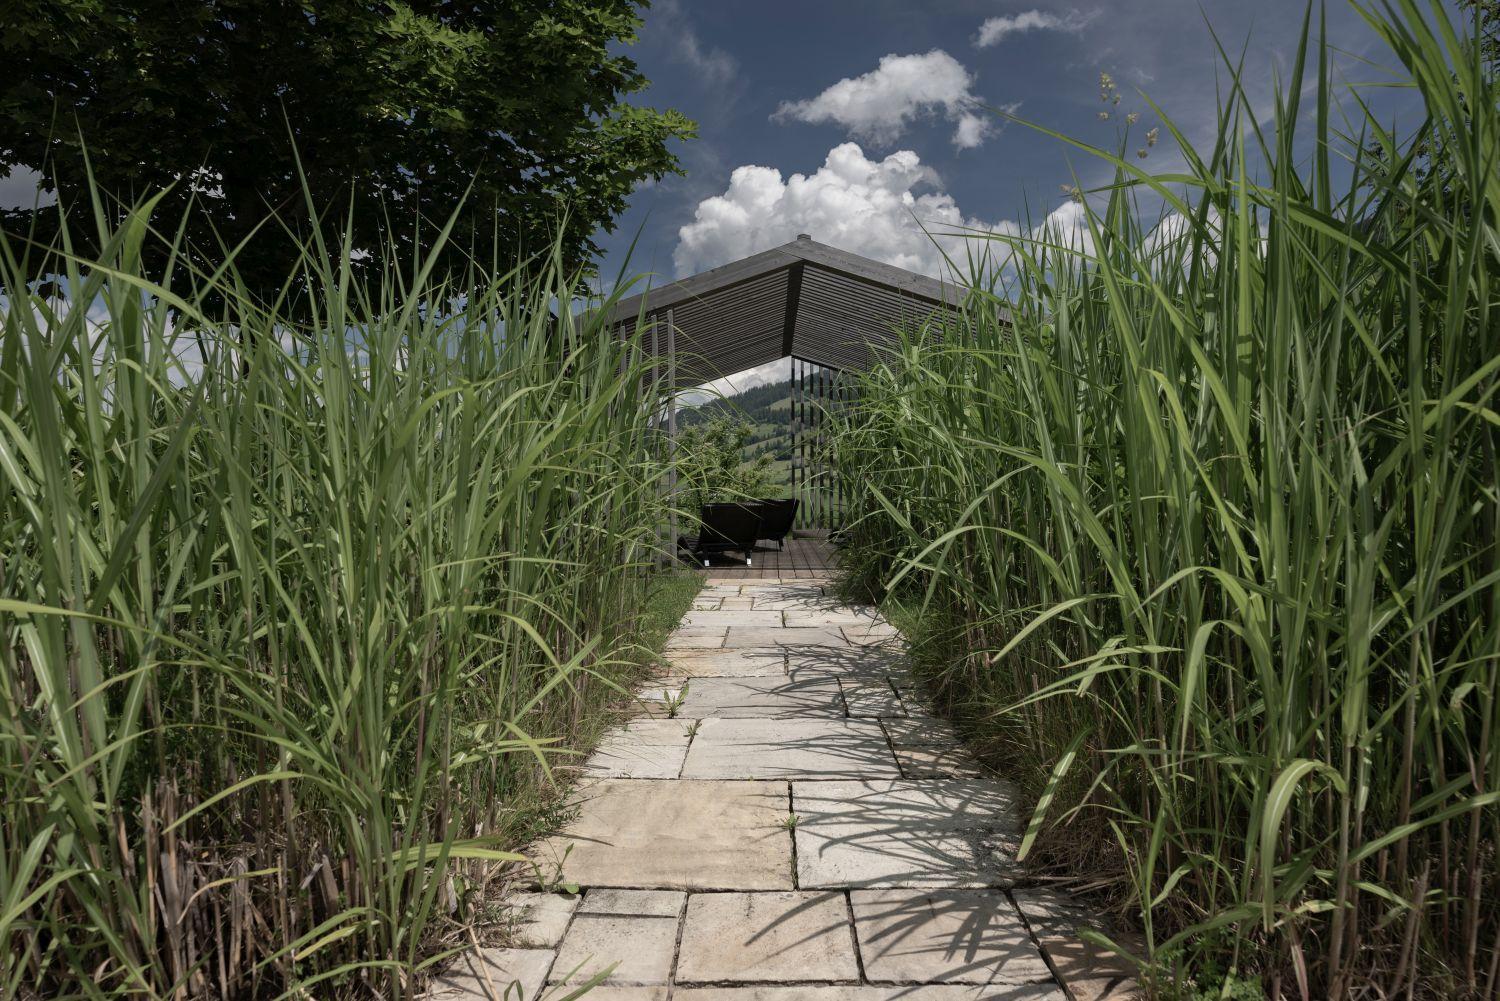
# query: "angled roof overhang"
803,299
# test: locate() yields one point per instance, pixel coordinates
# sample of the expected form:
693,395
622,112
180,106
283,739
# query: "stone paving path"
786,820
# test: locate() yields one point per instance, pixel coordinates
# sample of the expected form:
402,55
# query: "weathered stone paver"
762,698
954,834
697,639
751,663
630,937
927,761
734,617
781,748
1091,973
920,730
760,937
676,834
944,936
541,918
787,820
491,973
870,698
848,661
786,637
642,749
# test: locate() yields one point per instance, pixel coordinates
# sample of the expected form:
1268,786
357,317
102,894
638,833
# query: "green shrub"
711,466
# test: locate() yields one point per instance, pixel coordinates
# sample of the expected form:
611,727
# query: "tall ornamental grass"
1197,522
296,599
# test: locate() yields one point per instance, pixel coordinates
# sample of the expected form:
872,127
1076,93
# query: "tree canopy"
395,113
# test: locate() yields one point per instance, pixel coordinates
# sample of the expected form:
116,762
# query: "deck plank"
801,558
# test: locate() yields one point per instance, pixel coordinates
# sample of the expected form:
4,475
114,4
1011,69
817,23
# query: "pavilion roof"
803,299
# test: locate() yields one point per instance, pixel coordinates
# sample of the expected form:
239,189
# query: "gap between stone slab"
557,949
859,958
1057,976
791,832
677,945
890,745
692,734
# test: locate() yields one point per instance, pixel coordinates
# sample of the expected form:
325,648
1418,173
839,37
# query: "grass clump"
297,600
1199,522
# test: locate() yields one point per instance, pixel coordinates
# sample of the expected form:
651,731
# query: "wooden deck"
802,558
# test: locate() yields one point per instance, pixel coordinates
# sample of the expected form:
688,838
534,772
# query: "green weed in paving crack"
674,700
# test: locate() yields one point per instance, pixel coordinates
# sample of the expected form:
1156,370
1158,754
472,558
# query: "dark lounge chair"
776,518
723,528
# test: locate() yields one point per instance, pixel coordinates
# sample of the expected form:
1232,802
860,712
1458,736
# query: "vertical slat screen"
818,392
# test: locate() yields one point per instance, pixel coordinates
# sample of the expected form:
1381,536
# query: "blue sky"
860,122
783,88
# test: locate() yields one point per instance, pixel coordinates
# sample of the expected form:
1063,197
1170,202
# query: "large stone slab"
837,615
734,617
848,992
776,636
641,749
748,663
849,661
661,698
676,835
878,634
870,698
920,730
767,698
695,639
486,974
789,749
952,834
633,903
539,919
944,936
634,940
919,701
761,937
785,601
1091,972
935,761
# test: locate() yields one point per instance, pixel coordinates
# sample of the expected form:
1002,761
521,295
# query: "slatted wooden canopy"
804,299
830,311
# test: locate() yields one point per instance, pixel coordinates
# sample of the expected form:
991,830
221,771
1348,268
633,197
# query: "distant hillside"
768,408
761,405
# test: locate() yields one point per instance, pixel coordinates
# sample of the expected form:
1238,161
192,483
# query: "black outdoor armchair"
776,518
723,528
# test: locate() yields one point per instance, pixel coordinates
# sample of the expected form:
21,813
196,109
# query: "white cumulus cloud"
882,209
879,105
779,370
1066,228
996,29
